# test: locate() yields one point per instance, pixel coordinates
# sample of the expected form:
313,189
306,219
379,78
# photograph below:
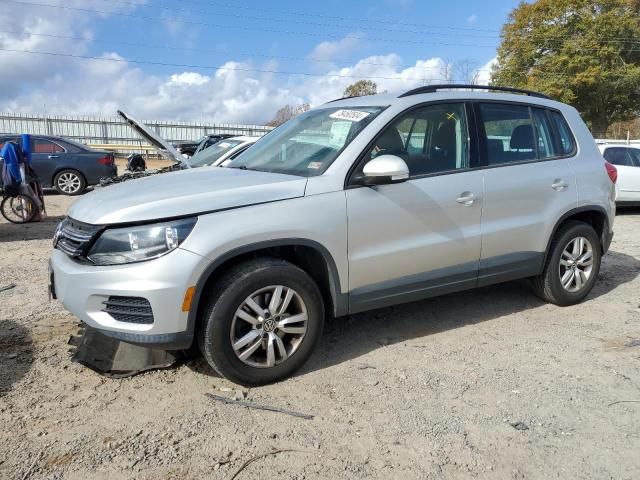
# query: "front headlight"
117,246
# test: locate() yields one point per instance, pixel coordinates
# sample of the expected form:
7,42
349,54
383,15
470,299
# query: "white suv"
355,205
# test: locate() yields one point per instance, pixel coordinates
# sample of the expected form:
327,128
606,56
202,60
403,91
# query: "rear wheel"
69,182
263,320
573,264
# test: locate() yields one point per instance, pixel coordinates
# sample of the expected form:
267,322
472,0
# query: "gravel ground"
490,384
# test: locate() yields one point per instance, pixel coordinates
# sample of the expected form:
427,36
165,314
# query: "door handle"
558,185
53,156
466,198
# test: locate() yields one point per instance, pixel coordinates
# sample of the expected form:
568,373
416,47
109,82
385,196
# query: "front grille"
73,237
129,309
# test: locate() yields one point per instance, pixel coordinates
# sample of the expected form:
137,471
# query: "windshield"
308,144
209,156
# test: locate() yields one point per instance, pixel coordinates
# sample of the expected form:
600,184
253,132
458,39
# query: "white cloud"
328,51
471,19
243,92
189,78
484,72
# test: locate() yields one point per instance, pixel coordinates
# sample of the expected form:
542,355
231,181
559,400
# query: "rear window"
626,157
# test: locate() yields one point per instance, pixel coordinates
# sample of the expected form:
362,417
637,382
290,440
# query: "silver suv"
358,204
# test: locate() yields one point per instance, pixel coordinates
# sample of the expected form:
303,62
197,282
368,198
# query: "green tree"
582,52
361,88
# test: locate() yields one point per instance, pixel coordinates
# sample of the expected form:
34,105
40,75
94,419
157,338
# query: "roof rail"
435,88
345,98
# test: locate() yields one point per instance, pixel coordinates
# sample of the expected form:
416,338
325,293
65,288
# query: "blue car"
65,165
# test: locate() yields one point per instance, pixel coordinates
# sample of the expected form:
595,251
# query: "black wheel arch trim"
340,300
605,238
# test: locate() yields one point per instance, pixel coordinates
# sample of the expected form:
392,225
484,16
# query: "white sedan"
627,161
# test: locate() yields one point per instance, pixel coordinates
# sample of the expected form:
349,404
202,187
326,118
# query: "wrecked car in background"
218,154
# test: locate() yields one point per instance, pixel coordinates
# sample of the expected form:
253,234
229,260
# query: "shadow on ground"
16,354
11,232
348,338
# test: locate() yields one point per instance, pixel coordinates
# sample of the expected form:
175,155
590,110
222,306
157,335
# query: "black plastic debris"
116,359
520,426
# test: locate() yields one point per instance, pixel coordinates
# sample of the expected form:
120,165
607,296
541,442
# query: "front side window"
430,139
309,143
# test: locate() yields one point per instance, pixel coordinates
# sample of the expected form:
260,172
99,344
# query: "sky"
232,61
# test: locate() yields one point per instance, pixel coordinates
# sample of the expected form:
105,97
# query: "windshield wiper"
240,167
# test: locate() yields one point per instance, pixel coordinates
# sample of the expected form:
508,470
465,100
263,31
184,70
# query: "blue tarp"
12,161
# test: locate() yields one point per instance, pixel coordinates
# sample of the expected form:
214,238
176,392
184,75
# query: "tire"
19,209
549,285
69,182
221,327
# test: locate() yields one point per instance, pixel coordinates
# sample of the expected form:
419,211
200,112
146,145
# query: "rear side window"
519,133
510,136
45,146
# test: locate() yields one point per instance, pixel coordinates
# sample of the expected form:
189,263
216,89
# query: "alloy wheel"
69,182
576,264
269,326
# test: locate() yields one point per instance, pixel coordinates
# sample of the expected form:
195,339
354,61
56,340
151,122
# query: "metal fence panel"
105,130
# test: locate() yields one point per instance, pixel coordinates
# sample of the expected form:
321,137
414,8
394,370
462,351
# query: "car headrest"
522,138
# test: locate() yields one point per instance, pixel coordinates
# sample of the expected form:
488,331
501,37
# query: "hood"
183,193
163,147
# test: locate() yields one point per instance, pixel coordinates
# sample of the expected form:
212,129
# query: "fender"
605,238
340,300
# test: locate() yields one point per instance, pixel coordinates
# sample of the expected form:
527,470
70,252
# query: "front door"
419,238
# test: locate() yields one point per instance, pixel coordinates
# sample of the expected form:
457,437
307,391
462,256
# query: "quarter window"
430,139
567,145
544,134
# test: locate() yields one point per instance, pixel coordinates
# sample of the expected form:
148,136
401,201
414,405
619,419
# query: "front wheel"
263,321
572,266
69,182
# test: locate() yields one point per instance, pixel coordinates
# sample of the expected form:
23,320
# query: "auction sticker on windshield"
351,115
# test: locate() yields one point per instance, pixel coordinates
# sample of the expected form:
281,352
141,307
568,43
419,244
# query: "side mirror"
383,170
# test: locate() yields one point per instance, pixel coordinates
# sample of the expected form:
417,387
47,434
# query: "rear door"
528,185
47,156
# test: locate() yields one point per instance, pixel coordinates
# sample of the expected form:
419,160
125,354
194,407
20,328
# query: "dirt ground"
487,384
